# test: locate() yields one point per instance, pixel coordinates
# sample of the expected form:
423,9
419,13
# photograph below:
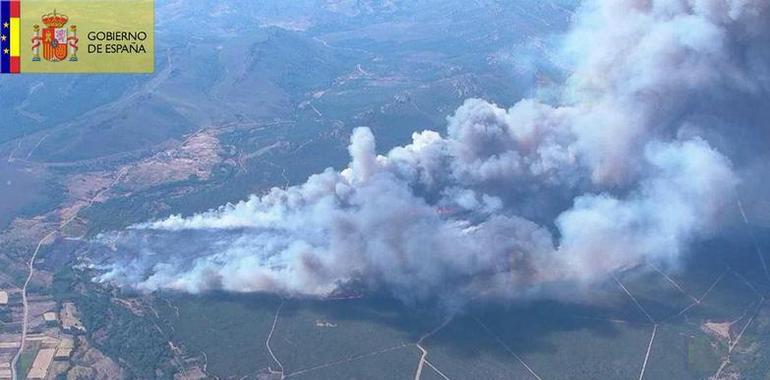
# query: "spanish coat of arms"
56,39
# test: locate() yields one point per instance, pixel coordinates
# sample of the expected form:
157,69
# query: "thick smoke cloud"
444,217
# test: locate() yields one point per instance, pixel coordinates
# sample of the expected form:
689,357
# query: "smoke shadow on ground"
334,329
312,332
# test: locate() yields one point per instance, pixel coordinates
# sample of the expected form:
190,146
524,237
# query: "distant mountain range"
224,62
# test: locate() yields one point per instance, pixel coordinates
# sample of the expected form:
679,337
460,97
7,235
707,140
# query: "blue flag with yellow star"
10,11
5,34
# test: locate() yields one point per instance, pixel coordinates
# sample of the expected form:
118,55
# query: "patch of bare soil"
717,329
195,157
194,373
82,189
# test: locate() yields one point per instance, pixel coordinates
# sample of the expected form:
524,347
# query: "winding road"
270,336
423,357
31,267
25,320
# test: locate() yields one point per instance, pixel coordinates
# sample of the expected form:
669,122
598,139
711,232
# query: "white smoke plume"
450,217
